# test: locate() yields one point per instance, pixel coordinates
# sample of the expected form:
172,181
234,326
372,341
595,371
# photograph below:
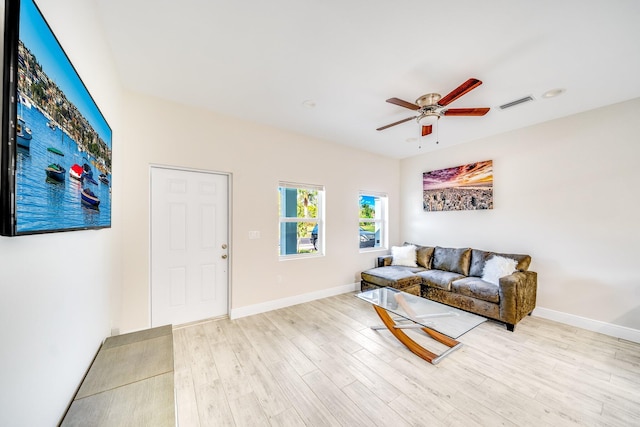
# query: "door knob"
224,246
224,256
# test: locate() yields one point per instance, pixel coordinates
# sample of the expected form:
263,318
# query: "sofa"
494,285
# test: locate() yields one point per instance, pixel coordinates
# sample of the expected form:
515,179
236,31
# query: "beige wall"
565,192
257,157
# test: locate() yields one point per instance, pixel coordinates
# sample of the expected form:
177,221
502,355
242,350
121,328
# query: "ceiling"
261,60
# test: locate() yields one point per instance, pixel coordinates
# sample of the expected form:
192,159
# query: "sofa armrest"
384,261
517,295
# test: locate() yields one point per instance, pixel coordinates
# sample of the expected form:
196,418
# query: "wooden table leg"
416,348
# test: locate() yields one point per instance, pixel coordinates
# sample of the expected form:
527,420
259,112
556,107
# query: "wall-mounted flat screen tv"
55,153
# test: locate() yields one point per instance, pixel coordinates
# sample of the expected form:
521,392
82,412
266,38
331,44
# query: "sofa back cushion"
479,258
455,260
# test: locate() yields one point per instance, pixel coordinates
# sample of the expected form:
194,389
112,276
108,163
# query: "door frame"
229,176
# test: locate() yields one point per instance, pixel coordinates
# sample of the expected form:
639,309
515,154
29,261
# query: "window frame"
319,220
381,218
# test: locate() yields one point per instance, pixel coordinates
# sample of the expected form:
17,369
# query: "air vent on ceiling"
516,102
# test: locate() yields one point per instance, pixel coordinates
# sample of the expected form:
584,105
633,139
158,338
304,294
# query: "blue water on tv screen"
63,168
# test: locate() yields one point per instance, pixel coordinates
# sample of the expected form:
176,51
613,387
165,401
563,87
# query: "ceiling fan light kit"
428,119
432,106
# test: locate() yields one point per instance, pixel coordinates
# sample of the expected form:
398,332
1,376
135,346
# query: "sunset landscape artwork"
466,187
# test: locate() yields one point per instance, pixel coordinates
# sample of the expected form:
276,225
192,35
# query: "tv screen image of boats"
56,152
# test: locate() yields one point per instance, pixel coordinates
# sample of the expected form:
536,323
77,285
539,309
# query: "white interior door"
189,246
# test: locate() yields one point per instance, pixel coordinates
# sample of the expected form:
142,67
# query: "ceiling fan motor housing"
430,99
429,113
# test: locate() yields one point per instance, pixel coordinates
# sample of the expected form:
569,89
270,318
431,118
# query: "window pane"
369,234
368,206
373,220
300,209
298,238
298,203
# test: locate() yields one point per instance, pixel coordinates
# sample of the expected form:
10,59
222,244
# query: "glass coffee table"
442,323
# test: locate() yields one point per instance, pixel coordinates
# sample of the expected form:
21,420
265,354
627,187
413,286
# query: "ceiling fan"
431,107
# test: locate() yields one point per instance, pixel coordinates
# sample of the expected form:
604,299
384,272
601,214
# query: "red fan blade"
426,130
465,87
402,103
466,111
396,123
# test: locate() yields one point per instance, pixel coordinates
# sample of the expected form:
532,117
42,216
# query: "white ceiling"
260,60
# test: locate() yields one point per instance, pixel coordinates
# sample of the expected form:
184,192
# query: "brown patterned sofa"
462,277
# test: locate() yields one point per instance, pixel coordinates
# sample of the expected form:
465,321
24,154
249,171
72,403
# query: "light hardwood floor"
319,364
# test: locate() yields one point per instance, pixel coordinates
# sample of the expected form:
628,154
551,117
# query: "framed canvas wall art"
466,187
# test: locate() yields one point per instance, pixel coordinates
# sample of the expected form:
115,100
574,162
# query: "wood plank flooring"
319,364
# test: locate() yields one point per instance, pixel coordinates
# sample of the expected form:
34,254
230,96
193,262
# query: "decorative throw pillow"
404,255
497,267
424,255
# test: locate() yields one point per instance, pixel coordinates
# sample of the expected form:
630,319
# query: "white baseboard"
610,329
287,302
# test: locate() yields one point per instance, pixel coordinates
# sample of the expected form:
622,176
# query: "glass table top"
430,314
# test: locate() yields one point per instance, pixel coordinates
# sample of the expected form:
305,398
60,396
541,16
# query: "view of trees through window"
372,221
300,219
301,228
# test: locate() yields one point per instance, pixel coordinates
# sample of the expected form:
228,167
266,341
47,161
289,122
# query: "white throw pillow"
497,267
404,255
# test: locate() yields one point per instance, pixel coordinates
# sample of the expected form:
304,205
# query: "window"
373,220
301,215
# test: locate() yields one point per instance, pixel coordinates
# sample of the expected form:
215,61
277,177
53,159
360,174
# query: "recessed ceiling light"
552,93
309,103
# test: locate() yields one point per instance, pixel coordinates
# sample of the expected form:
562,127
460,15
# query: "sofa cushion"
393,276
452,260
497,267
438,278
404,255
523,260
476,288
479,258
424,256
